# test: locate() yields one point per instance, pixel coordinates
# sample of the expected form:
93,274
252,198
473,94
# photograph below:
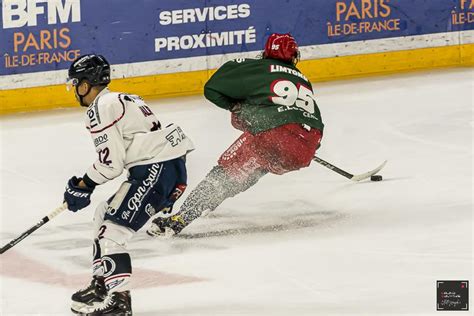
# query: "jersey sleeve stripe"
113,123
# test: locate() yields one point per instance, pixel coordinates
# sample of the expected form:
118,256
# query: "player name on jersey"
279,68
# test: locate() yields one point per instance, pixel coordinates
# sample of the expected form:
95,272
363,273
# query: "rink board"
176,44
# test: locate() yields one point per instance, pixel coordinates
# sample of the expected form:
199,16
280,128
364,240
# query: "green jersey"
271,93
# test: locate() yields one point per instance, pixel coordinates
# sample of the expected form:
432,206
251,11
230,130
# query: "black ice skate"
116,304
166,227
89,296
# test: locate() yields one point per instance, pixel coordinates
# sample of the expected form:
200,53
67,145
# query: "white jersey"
126,133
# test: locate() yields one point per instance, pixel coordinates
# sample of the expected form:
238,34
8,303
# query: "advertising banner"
46,35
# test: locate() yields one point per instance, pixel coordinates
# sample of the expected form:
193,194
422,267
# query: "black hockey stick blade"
355,178
43,221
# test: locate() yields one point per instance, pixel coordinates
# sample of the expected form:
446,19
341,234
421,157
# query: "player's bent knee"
114,238
98,219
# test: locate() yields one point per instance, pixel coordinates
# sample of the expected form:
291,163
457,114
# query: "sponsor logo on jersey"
135,202
175,137
295,108
92,114
145,110
101,140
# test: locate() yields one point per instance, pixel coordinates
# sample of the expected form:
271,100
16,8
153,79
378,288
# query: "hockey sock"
97,268
117,271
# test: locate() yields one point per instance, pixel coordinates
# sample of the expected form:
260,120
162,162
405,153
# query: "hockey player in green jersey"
273,104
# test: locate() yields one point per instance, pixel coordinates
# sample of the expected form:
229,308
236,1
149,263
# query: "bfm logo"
18,13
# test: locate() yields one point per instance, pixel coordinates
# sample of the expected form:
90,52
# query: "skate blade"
83,308
88,314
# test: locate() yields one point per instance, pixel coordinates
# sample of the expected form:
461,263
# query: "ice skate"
116,304
166,227
90,296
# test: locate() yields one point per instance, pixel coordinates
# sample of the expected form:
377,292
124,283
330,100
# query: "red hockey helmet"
282,47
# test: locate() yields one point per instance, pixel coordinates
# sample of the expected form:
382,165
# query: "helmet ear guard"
282,47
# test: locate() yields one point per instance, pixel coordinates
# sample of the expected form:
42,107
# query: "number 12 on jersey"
289,94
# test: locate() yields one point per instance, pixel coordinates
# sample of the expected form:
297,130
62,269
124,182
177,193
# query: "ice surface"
306,243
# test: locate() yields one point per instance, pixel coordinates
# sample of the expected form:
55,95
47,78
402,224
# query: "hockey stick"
357,177
43,221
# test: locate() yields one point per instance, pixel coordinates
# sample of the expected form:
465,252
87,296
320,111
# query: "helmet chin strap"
81,97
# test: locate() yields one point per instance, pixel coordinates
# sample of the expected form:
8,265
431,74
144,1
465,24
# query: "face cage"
71,83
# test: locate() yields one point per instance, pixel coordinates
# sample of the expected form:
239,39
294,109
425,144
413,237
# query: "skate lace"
108,301
86,287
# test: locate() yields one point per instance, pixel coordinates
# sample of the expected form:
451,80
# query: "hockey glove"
77,197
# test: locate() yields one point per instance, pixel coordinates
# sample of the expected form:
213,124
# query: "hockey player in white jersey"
126,135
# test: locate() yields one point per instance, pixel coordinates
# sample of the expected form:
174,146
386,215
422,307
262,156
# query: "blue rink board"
125,31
